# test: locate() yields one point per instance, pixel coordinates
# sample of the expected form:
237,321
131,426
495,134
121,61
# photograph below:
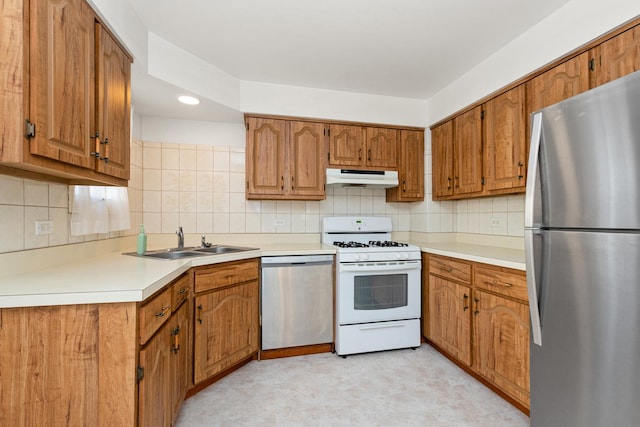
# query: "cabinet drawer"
503,282
228,273
180,291
450,269
153,314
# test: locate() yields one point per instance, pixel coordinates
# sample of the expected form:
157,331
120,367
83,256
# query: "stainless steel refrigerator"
582,241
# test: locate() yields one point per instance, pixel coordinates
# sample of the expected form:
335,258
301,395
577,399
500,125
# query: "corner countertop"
115,277
495,255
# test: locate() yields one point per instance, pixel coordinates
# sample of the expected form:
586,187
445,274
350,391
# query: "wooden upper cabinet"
363,147
410,168
285,159
68,80
467,149
505,143
381,144
618,56
346,145
113,75
265,156
62,85
442,160
306,159
561,82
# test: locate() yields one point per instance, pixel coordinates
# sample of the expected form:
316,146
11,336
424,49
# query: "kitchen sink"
189,252
222,249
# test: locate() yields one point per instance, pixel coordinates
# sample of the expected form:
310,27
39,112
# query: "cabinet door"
62,86
618,56
467,152
226,329
113,74
382,151
505,141
449,318
306,158
345,145
265,156
501,343
410,168
561,82
180,333
442,160
154,391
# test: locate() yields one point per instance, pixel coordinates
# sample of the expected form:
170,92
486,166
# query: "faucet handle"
204,243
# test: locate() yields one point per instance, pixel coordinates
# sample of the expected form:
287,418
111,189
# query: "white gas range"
377,286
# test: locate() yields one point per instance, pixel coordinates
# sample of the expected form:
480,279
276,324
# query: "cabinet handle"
465,305
360,154
404,185
457,182
182,291
449,183
446,268
200,313
477,300
369,154
162,311
282,183
106,159
95,154
176,339
292,182
520,165
499,283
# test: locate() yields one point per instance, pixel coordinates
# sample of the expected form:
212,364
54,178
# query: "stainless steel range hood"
361,178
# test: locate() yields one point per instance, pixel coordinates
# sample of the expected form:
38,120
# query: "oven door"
378,291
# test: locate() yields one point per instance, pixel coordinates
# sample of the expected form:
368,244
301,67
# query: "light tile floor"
393,388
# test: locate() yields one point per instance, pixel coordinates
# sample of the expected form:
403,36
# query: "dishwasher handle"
296,260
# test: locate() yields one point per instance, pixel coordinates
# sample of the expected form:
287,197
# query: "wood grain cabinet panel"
618,56
226,274
442,160
501,343
154,313
381,148
306,158
450,269
346,145
467,149
449,318
265,157
226,328
505,142
410,168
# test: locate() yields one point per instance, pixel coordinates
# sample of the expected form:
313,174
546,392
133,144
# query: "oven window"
380,292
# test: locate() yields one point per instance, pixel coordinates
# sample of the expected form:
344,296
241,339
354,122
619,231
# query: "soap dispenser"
142,241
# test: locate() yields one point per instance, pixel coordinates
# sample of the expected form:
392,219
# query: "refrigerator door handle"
532,171
532,288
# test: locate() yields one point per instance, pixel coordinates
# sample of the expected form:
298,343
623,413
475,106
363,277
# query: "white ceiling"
404,48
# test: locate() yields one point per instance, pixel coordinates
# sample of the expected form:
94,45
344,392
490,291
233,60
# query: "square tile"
11,190
58,195
12,228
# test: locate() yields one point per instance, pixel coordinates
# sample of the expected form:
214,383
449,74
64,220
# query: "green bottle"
142,241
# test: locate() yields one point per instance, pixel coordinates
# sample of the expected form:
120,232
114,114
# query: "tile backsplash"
201,188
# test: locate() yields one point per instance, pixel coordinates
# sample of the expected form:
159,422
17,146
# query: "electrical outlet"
44,227
496,221
278,222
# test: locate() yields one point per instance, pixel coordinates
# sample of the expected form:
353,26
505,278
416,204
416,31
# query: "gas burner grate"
387,244
350,245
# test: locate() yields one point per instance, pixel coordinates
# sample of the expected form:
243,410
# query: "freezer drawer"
586,371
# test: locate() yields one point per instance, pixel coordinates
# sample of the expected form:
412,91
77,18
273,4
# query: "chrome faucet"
180,234
204,243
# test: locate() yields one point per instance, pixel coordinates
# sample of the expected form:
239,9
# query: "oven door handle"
381,266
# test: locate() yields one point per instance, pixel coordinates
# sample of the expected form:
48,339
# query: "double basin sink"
194,251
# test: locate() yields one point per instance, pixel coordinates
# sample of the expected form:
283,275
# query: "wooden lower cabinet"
227,323
501,343
479,317
449,320
165,362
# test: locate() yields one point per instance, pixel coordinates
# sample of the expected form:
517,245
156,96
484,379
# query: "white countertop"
501,256
115,277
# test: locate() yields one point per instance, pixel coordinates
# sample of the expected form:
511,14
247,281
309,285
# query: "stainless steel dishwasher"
296,300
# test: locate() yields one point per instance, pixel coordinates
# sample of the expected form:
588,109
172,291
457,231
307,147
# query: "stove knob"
365,257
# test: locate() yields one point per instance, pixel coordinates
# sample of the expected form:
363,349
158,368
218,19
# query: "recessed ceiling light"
189,100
